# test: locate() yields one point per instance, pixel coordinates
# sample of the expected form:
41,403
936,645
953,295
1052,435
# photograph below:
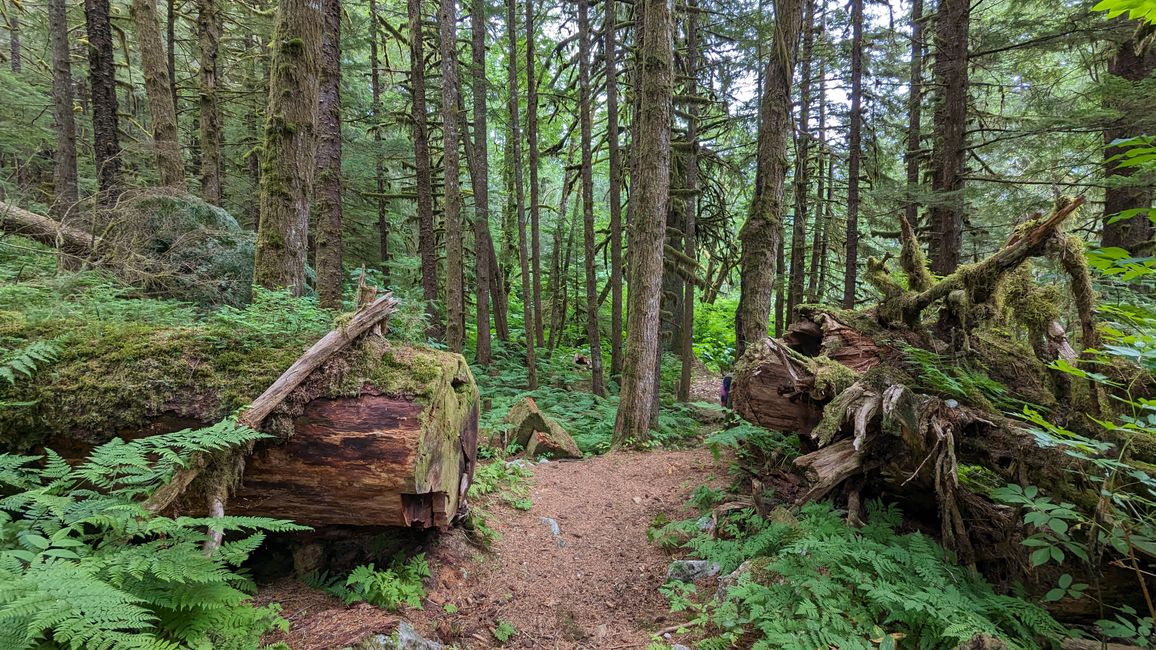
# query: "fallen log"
891,402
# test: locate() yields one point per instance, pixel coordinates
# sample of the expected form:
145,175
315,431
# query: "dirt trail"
593,585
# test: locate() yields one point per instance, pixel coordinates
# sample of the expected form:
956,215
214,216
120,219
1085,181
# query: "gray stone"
705,523
555,529
679,646
692,570
404,637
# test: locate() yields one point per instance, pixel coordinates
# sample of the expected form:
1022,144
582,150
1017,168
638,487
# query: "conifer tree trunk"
171,47
762,233
64,170
820,157
651,193
519,196
209,27
802,168
330,273
593,333
159,89
102,81
288,155
378,160
615,189
1133,61
423,167
532,147
947,208
686,344
15,55
451,196
480,175
851,272
914,114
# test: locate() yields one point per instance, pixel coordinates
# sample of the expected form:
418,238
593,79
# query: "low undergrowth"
808,580
401,583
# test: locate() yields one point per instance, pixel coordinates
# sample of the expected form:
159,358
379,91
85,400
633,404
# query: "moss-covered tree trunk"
452,195
330,273
288,154
209,27
159,88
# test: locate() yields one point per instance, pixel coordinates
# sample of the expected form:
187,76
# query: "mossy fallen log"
896,403
363,432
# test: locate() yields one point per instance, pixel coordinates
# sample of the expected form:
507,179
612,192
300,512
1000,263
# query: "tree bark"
615,186
519,196
914,114
761,234
802,168
851,272
452,197
159,89
423,167
813,288
593,333
1133,61
655,65
64,169
209,26
288,155
378,159
480,175
15,55
532,148
947,208
102,78
330,273
686,344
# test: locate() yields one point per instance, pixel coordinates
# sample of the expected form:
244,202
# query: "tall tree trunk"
102,79
15,55
171,46
655,62
480,175
615,189
686,344
1133,61
64,170
209,25
288,155
947,208
820,157
593,333
851,272
828,222
914,114
378,159
255,61
452,197
532,150
761,234
159,89
802,168
423,168
519,197
330,273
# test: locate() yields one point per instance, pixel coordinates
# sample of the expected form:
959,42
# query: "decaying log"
50,232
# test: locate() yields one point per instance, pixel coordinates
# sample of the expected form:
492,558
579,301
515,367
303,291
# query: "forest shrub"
84,565
402,583
812,581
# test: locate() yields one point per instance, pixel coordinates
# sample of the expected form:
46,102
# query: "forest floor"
593,585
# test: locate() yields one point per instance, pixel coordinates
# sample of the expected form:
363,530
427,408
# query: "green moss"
831,378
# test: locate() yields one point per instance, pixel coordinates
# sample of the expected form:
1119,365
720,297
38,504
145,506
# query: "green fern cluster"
84,565
959,381
25,360
400,584
814,582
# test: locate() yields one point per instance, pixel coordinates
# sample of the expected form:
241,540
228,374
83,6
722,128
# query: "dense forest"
281,279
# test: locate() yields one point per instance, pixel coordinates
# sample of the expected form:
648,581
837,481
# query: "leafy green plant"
83,564
25,360
504,631
402,583
811,581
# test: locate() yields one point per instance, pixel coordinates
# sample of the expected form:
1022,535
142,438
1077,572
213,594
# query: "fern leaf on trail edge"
809,580
84,568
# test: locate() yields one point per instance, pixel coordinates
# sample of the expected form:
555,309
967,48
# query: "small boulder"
404,637
692,570
538,434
